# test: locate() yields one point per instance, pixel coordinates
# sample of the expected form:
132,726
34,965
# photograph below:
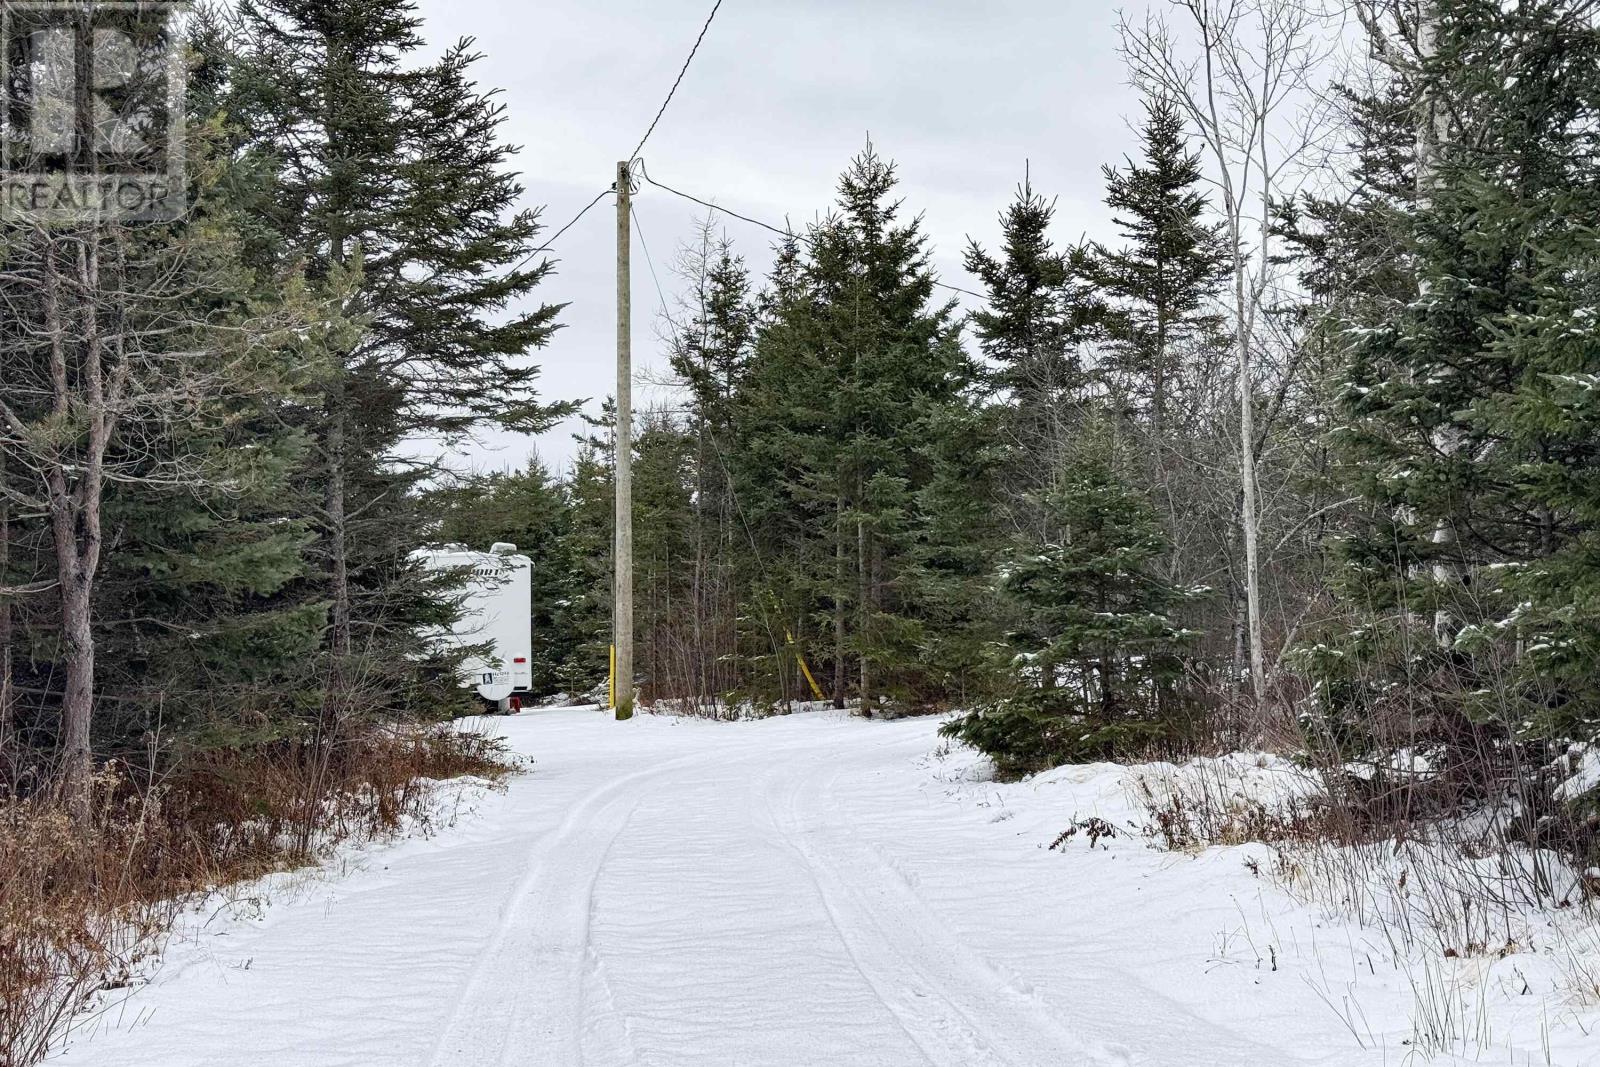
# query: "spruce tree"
1039,312
961,522
664,558
591,487
709,354
392,187
144,364
1098,660
853,377
1159,287
779,420
206,645
1470,414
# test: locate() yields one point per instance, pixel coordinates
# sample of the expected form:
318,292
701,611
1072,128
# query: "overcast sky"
783,92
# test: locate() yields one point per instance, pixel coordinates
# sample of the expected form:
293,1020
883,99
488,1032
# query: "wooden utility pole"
622,616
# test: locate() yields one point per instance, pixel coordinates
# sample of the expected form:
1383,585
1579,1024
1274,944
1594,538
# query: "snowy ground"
810,890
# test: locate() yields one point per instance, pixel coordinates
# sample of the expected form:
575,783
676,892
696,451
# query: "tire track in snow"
522,1002
825,889
1162,1023
958,1010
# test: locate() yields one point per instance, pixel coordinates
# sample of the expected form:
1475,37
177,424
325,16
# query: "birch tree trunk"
1250,512
1411,54
1252,60
1431,135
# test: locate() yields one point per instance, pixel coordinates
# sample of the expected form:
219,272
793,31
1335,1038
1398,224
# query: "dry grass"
83,907
1449,883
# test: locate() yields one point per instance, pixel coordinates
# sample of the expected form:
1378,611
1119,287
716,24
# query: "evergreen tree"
1160,286
1470,411
665,522
392,188
1099,663
961,520
854,374
1163,356
592,489
202,646
1352,249
1039,312
709,354
142,363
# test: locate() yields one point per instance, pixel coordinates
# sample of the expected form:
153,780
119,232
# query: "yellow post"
611,680
804,669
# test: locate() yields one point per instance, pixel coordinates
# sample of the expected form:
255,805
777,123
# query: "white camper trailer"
497,612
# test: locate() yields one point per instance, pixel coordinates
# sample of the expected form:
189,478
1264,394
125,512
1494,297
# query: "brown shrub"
83,907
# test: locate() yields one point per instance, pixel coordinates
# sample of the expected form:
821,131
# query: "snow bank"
1414,951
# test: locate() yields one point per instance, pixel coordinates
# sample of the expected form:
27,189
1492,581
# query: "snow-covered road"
809,890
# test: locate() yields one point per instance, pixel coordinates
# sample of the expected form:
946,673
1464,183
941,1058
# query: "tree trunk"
1158,399
863,611
1431,132
77,701
841,575
338,529
1250,511
337,429
7,692
74,507
699,598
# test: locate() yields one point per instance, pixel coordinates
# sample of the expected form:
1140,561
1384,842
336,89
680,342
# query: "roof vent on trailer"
503,548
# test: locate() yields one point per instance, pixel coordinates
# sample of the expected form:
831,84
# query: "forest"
1041,511
1306,460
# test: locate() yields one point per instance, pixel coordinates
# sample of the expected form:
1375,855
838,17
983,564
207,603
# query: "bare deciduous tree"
1242,71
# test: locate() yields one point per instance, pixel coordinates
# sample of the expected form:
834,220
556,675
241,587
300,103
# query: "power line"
717,207
651,263
550,243
673,91
662,110
785,233
634,158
